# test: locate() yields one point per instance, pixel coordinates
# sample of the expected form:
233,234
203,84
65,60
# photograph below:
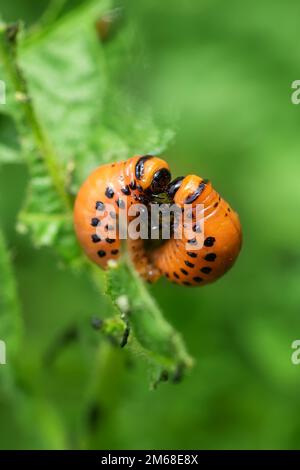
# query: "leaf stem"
157,340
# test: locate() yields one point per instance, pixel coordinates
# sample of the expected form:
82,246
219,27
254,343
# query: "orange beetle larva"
140,179
135,180
222,236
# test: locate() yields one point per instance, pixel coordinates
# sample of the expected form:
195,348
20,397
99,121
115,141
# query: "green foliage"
10,318
68,83
227,72
9,144
65,99
20,407
162,345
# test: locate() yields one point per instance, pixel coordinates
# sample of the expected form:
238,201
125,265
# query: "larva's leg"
142,261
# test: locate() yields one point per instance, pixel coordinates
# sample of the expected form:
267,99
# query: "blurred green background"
221,74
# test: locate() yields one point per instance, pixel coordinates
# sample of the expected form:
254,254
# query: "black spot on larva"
167,275
126,190
184,271
139,188
210,257
192,254
100,206
216,204
174,186
196,228
113,214
229,210
189,264
110,240
140,166
193,241
101,253
192,197
95,222
186,283
120,203
132,185
176,275
109,192
109,227
95,238
209,241
197,279
205,270
114,252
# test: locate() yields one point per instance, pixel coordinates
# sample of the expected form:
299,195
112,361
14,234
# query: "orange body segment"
180,260
203,253
108,190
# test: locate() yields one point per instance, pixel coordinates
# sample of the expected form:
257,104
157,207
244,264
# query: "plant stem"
153,337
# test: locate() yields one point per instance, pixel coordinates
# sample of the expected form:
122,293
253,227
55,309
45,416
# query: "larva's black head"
152,174
174,186
160,180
